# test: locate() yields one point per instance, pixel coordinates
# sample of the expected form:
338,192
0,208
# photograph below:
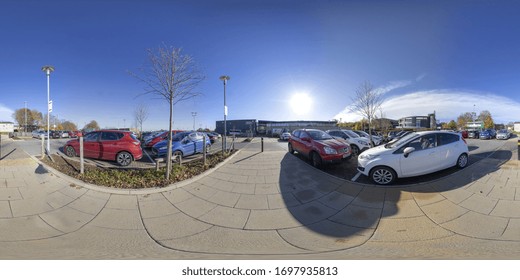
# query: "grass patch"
134,178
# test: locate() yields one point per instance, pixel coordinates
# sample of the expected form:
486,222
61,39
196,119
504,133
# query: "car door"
424,159
448,145
110,144
188,144
91,145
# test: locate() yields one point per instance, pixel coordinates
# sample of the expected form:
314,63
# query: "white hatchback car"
413,155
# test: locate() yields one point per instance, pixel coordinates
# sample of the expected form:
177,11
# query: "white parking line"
356,177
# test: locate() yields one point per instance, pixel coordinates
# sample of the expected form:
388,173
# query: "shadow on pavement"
331,206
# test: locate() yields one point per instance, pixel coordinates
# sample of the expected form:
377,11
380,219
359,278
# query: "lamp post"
224,79
25,116
194,114
48,69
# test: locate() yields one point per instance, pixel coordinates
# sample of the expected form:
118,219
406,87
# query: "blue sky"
443,56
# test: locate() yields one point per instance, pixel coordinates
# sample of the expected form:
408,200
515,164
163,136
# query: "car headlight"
329,150
163,148
363,143
367,156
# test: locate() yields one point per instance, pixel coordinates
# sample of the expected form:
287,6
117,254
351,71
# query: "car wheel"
355,149
70,152
462,161
382,175
291,150
124,158
208,148
177,155
316,160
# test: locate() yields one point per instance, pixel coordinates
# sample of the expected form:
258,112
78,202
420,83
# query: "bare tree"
366,102
141,115
171,75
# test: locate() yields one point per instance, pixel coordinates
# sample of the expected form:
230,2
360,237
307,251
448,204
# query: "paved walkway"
261,205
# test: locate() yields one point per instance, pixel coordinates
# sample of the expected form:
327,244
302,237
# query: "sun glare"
300,103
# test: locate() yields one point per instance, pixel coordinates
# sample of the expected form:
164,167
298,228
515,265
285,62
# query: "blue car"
183,144
487,134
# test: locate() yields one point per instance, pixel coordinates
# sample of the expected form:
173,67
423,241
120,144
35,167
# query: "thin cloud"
6,114
447,104
393,85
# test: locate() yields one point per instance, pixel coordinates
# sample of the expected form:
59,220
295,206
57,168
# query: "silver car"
503,134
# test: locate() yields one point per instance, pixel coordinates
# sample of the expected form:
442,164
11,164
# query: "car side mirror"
408,151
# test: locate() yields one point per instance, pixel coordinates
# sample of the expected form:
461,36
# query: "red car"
163,136
318,146
120,146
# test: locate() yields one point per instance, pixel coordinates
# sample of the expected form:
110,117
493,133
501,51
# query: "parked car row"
54,134
408,154
123,147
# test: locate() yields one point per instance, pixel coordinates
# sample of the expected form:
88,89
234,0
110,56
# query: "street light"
224,144
194,114
25,116
48,69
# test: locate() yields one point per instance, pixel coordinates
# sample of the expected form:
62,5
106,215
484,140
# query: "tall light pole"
224,79
48,69
25,116
194,114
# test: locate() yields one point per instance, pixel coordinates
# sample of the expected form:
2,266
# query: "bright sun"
300,103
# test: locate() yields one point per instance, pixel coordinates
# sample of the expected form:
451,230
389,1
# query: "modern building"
269,128
238,127
476,125
418,122
516,126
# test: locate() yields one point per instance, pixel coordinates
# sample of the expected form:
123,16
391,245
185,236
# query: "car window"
401,141
351,134
296,133
319,135
91,137
110,136
334,133
447,138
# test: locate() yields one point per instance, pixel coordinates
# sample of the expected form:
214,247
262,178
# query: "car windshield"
401,141
503,131
362,133
351,134
319,135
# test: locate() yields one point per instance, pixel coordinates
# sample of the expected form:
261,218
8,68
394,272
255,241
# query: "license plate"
345,155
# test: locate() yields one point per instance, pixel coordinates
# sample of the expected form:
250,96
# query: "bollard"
262,141
81,161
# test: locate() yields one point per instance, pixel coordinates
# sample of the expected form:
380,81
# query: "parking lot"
33,147
478,149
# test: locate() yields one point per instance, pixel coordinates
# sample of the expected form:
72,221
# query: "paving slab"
26,228
157,207
358,216
479,203
57,199
507,208
88,204
228,199
177,195
456,195
218,240
226,217
410,229
122,202
249,201
478,225
7,194
271,219
336,200
271,188
443,211
28,207
512,231
370,197
195,207
401,209
5,210
284,200
325,236
122,219
174,226
66,219
503,192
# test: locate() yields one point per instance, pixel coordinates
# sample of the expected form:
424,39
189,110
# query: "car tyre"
70,152
291,150
124,158
176,155
316,160
355,149
462,161
382,175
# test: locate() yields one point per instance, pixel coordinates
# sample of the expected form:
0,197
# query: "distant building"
418,122
516,126
476,125
238,127
6,127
